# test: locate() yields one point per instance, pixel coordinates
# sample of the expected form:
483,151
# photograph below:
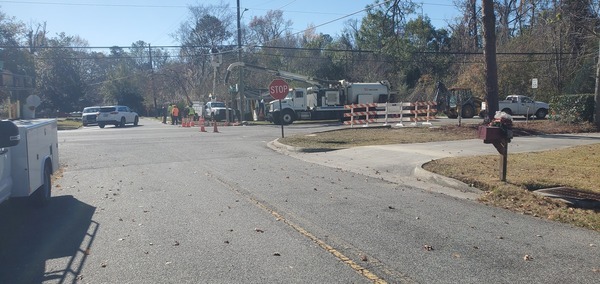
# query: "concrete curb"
419,176
462,189
278,145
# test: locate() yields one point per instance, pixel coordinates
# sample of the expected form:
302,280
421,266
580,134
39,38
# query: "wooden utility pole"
489,51
491,79
152,81
241,70
597,91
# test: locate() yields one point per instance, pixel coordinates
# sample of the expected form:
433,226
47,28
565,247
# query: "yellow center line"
355,266
344,259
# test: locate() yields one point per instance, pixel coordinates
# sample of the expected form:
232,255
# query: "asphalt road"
163,204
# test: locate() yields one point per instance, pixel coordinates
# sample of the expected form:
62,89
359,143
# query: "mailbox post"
498,133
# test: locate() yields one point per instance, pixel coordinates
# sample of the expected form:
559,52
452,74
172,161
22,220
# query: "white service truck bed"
22,167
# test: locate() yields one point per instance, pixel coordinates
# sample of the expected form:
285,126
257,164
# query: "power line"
93,4
233,47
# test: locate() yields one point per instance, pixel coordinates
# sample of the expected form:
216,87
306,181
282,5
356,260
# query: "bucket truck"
324,100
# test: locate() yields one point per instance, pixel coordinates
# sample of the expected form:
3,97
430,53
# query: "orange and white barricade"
361,114
412,112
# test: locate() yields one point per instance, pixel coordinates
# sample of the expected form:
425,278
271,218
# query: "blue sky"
121,22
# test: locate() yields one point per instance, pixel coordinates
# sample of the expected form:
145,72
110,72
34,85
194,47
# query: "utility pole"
152,81
491,79
489,52
241,70
597,91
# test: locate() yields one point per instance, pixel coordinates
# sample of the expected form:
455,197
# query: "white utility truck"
28,158
325,99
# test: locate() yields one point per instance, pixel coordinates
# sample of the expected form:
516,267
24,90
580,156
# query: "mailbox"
489,134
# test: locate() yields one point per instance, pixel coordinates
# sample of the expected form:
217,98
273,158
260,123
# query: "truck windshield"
90,109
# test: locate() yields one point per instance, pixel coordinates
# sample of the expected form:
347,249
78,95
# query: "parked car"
117,116
89,115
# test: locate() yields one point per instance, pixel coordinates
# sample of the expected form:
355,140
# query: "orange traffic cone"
215,128
202,125
192,123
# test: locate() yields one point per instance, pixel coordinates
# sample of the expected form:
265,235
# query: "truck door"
299,100
526,106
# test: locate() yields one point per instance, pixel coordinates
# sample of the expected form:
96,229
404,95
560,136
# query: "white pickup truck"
523,105
28,158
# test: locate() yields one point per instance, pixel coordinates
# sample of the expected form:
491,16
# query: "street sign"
278,89
534,83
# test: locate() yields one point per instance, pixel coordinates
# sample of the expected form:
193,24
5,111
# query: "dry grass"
364,136
577,167
361,136
68,124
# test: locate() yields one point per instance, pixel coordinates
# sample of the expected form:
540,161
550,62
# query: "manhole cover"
576,197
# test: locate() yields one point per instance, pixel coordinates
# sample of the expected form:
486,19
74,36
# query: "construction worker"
170,112
184,116
174,115
191,114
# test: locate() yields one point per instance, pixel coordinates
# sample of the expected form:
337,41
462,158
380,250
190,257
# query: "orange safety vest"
175,111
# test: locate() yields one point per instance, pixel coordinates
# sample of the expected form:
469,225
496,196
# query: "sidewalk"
401,163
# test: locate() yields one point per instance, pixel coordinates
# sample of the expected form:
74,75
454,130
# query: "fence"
361,114
390,113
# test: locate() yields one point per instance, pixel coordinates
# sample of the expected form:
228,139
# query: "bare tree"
268,29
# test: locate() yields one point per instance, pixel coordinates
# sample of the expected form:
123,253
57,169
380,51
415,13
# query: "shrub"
572,108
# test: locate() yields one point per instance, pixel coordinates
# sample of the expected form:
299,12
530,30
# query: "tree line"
553,41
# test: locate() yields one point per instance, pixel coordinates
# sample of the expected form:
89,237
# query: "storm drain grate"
576,197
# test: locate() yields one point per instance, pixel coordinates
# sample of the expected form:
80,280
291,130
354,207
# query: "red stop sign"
278,89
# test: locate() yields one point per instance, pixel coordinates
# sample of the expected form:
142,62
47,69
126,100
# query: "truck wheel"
122,124
507,111
287,117
101,125
276,115
41,196
452,114
468,111
483,114
136,121
541,113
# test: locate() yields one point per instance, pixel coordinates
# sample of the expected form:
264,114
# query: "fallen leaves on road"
427,247
527,257
276,254
259,230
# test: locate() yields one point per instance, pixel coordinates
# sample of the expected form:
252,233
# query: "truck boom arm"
283,74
